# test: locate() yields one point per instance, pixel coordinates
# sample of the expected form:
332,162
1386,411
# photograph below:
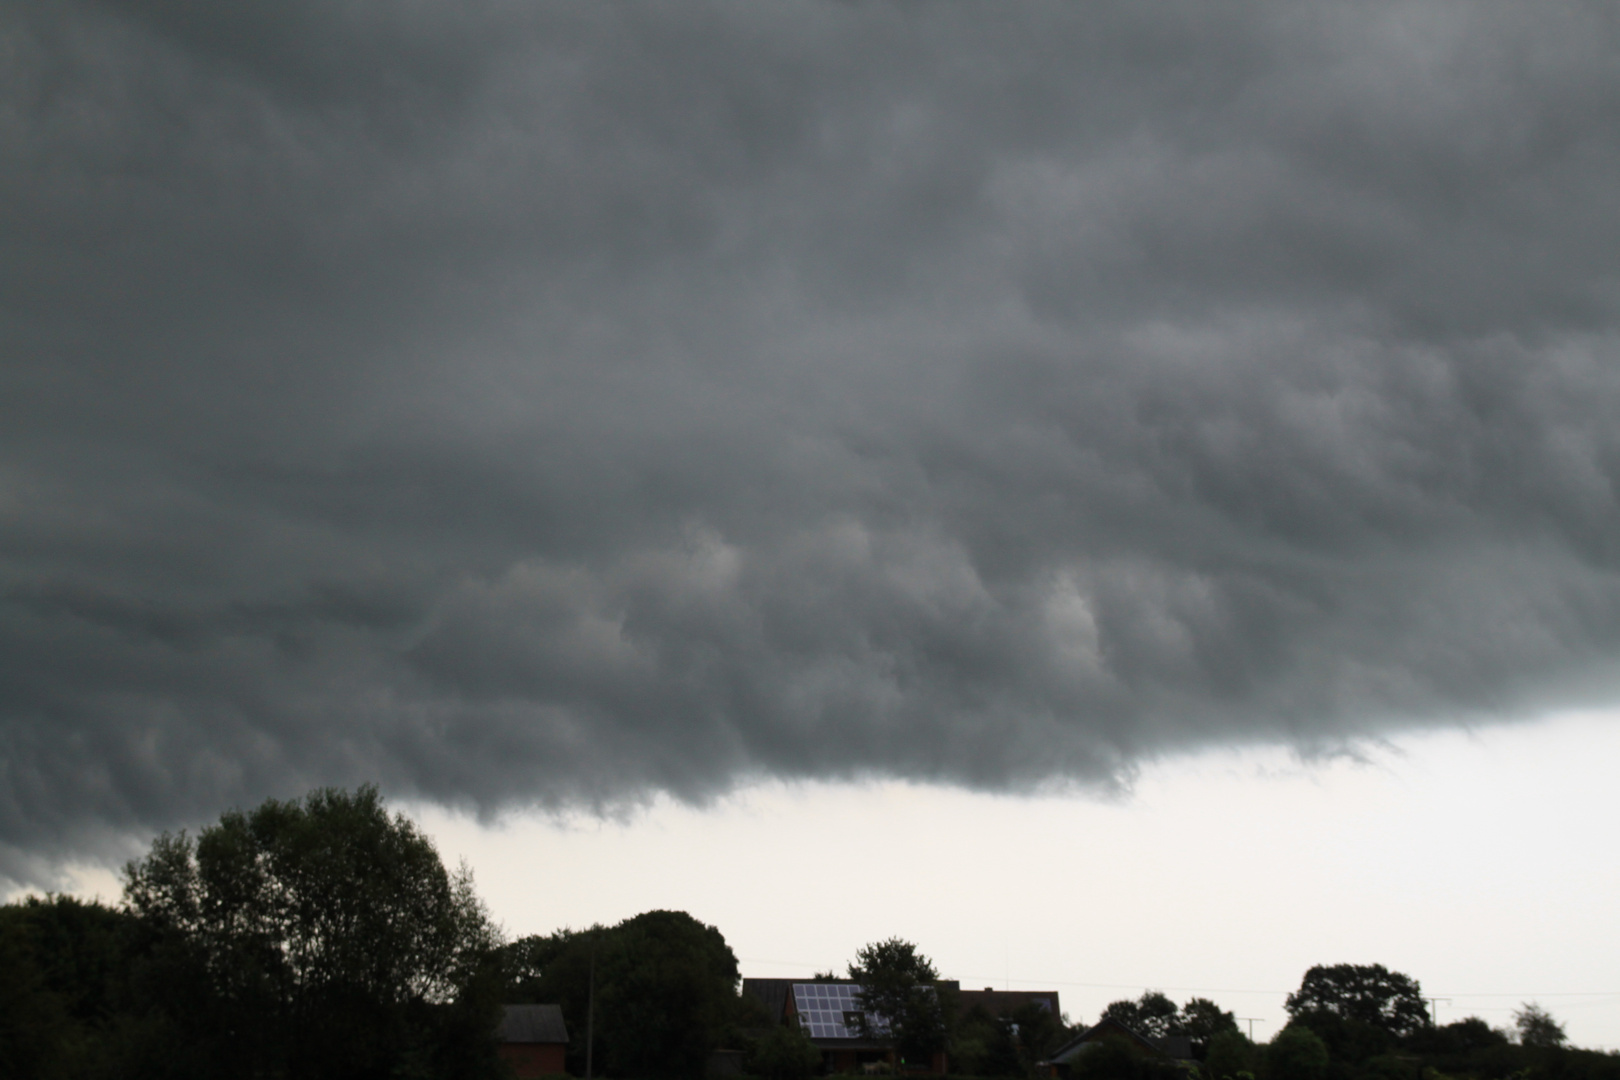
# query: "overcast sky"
580,406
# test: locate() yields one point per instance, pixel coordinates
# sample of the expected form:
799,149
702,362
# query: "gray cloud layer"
555,404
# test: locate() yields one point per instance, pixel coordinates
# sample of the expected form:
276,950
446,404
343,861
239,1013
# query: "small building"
533,1040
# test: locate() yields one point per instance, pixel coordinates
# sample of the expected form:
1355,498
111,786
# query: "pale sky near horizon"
1481,864
845,417
1477,863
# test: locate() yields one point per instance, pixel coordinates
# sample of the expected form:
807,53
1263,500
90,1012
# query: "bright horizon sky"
1475,862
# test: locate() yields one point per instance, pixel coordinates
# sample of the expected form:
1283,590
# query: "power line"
1523,995
1138,986
1563,993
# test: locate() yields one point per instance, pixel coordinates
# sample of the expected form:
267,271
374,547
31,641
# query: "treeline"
317,938
1346,1022
323,938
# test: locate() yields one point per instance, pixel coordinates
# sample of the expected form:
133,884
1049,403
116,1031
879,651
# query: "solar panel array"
829,1010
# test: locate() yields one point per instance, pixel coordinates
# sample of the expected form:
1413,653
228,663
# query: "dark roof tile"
532,1024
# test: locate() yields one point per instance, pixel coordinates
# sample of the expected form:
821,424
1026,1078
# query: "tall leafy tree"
785,1053
1153,1015
1038,1032
665,991
985,1045
899,998
64,988
323,937
1536,1026
1230,1055
1367,994
36,1029
1202,1020
1297,1053
667,986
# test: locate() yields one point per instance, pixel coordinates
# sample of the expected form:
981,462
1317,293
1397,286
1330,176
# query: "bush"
1297,1053
785,1054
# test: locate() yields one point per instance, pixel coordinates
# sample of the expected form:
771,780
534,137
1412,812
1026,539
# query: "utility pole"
1251,1020
590,1013
1434,1008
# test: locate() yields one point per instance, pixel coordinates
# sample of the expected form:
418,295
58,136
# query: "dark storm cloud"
516,403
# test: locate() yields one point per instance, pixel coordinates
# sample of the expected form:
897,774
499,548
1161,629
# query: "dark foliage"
900,999
1360,1011
1152,1016
1363,994
1536,1027
1230,1055
1465,1050
318,938
1455,1040
1123,1059
1155,1016
786,1053
986,1045
665,989
79,987
1201,1021
1297,1053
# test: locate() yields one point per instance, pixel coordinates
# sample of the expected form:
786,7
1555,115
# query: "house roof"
532,1024
772,992
822,1007
1105,1027
1003,1002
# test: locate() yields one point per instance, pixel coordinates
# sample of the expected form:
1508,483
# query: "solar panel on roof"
830,1010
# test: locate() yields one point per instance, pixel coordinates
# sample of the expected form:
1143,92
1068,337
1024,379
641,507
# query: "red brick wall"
529,1060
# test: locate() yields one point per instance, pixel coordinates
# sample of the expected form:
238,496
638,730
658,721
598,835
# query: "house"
829,1011
533,1040
1033,1020
1174,1049
1006,1002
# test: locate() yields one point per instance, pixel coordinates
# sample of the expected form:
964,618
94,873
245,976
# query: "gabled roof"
1004,1002
772,992
532,1024
822,1007
1105,1027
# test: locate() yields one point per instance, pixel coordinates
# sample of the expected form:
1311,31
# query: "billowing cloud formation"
521,404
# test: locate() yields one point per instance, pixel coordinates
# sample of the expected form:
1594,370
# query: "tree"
787,1053
666,991
1297,1053
1202,1020
322,938
1536,1026
1458,1038
985,1045
1231,1055
899,1000
556,969
69,1002
666,988
1153,1015
1115,1057
1368,995
35,1027
1038,1031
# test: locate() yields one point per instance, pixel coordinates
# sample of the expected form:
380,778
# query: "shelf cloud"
525,405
